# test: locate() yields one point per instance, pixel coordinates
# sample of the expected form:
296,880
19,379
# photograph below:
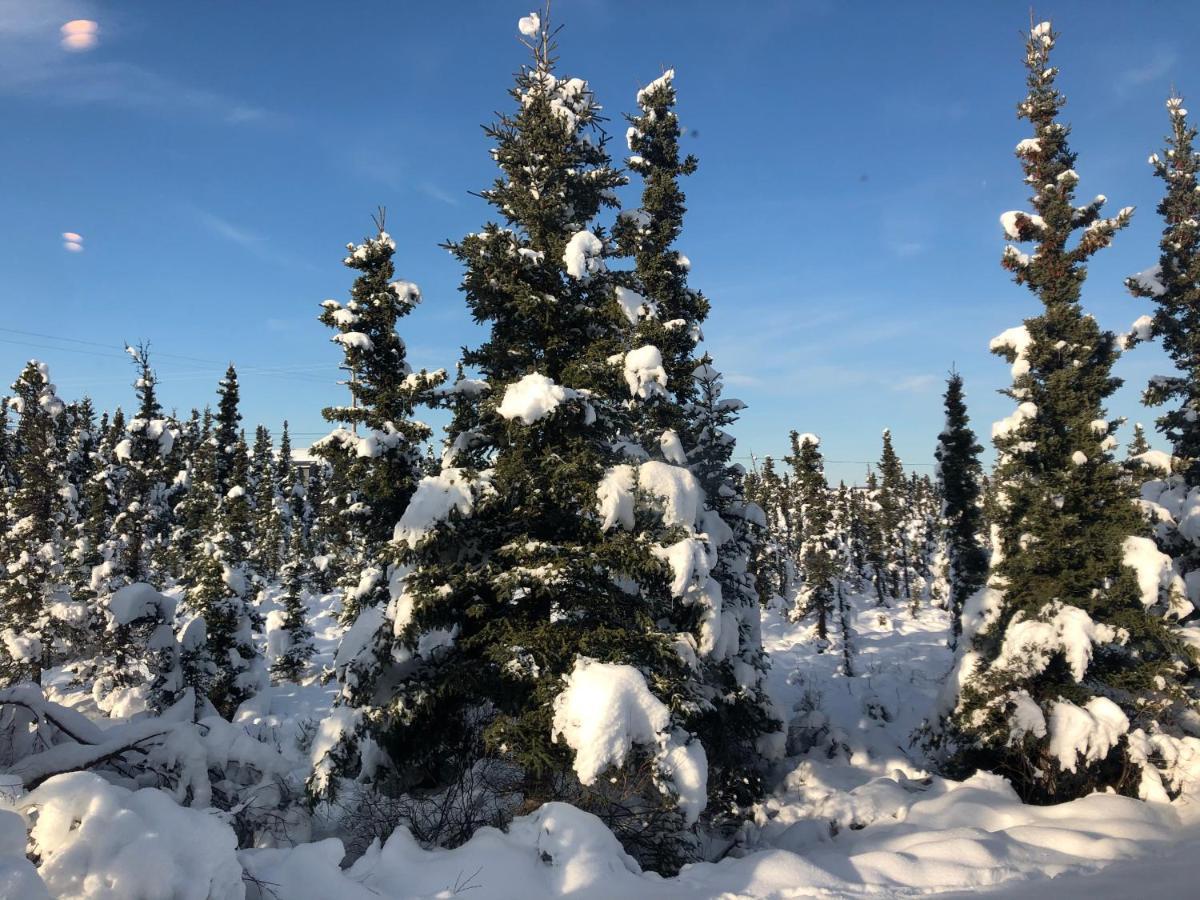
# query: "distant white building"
304,463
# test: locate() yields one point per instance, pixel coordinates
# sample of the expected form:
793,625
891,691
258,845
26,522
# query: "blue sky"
854,159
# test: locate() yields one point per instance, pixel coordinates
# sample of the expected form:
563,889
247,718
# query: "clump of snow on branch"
436,497
605,709
644,372
529,25
533,398
582,255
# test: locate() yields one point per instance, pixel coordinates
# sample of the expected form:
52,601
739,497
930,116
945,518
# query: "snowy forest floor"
853,810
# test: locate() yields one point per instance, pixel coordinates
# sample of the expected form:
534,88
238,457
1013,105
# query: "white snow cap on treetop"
581,256
533,398
663,80
530,25
809,438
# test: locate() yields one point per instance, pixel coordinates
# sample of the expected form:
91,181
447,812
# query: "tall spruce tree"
684,424
223,664
1174,287
532,559
373,474
958,474
228,428
143,521
818,553
31,547
892,499
1061,656
269,542
1138,443
291,634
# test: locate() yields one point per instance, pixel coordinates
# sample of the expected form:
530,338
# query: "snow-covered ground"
853,811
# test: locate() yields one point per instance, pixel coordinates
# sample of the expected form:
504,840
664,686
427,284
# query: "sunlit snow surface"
855,815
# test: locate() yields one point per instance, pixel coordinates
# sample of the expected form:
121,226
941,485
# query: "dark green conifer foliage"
958,473
1063,508
236,507
874,539
193,513
384,388
8,476
143,522
662,310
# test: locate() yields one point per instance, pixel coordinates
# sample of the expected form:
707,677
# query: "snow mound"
103,842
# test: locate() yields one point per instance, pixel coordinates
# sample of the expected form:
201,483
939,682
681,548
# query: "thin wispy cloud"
916,384
1155,69
436,193
249,240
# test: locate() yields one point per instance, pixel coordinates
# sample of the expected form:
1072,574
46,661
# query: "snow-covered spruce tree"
290,639
373,475
958,473
772,563
269,540
818,560
288,486
227,429
1173,284
1138,443
195,507
534,581
892,498
744,732
1174,287
221,660
8,477
143,521
31,547
874,541
1066,677
663,312
684,424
